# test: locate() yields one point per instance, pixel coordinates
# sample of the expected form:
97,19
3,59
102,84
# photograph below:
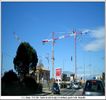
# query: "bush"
9,77
12,86
10,83
39,89
29,83
30,86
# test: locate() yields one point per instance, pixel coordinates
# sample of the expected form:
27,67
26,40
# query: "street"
69,92
63,92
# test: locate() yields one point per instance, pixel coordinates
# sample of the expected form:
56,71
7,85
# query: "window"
94,86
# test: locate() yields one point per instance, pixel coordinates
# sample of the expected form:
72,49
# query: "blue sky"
35,21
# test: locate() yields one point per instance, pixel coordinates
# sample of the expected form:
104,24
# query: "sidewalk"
46,90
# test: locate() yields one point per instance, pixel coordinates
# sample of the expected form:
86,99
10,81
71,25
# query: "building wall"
42,76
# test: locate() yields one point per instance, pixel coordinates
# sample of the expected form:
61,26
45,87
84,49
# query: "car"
93,88
68,86
76,85
55,88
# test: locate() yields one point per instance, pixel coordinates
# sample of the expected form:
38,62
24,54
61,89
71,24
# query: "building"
67,76
65,79
42,75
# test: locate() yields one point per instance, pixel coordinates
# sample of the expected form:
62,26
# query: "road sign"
58,72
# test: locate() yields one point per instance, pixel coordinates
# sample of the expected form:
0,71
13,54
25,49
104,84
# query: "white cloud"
94,45
98,42
98,33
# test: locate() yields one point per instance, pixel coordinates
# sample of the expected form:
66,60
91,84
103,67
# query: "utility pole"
75,55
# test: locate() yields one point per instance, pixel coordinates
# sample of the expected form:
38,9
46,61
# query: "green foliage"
30,83
9,77
12,86
9,83
30,86
25,59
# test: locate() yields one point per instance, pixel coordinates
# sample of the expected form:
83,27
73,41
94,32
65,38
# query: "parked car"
55,88
93,88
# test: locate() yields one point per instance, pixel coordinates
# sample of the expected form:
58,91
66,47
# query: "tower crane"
53,39
17,38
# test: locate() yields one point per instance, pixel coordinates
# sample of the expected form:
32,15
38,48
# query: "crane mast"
53,54
70,34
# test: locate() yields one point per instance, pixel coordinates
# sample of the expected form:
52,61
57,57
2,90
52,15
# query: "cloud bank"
98,41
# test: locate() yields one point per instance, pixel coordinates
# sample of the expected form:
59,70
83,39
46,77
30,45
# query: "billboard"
58,72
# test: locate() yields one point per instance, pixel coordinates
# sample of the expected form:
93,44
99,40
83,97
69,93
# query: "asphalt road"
69,92
63,92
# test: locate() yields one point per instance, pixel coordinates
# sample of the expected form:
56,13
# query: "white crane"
17,38
70,34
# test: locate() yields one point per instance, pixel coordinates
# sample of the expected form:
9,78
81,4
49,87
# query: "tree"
26,59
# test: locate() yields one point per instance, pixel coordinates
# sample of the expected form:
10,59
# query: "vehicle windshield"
94,86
